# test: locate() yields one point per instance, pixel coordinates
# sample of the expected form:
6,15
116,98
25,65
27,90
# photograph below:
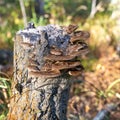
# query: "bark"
41,85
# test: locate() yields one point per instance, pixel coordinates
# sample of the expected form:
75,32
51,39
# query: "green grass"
4,96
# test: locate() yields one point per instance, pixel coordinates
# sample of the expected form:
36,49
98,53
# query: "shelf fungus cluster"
64,45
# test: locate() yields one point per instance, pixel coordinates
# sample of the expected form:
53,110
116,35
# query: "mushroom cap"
71,28
75,73
45,74
79,35
55,51
63,48
65,65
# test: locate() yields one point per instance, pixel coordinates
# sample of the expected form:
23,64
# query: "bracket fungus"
65,44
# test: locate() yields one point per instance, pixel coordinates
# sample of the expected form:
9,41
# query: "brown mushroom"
65,65
55,51
69,56
74,73
80,52
47,66
71,28
45,74
74,48
79,35
58,58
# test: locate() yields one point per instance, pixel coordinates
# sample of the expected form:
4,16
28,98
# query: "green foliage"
91,60
111,88
38,21
61,12
67,10
4,96
11,21
110,91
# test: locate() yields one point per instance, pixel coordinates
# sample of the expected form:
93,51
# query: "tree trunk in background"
39,7
97,5
43,65
22,6
93,8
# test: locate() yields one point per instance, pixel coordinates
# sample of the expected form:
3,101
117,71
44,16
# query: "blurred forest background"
100,82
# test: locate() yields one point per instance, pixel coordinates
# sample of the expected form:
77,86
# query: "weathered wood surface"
44,61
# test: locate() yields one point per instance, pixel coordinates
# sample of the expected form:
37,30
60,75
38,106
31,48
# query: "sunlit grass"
4,96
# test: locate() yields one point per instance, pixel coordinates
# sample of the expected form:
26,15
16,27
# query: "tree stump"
44,65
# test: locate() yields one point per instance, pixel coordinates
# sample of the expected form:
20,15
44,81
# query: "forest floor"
95,90
100,87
